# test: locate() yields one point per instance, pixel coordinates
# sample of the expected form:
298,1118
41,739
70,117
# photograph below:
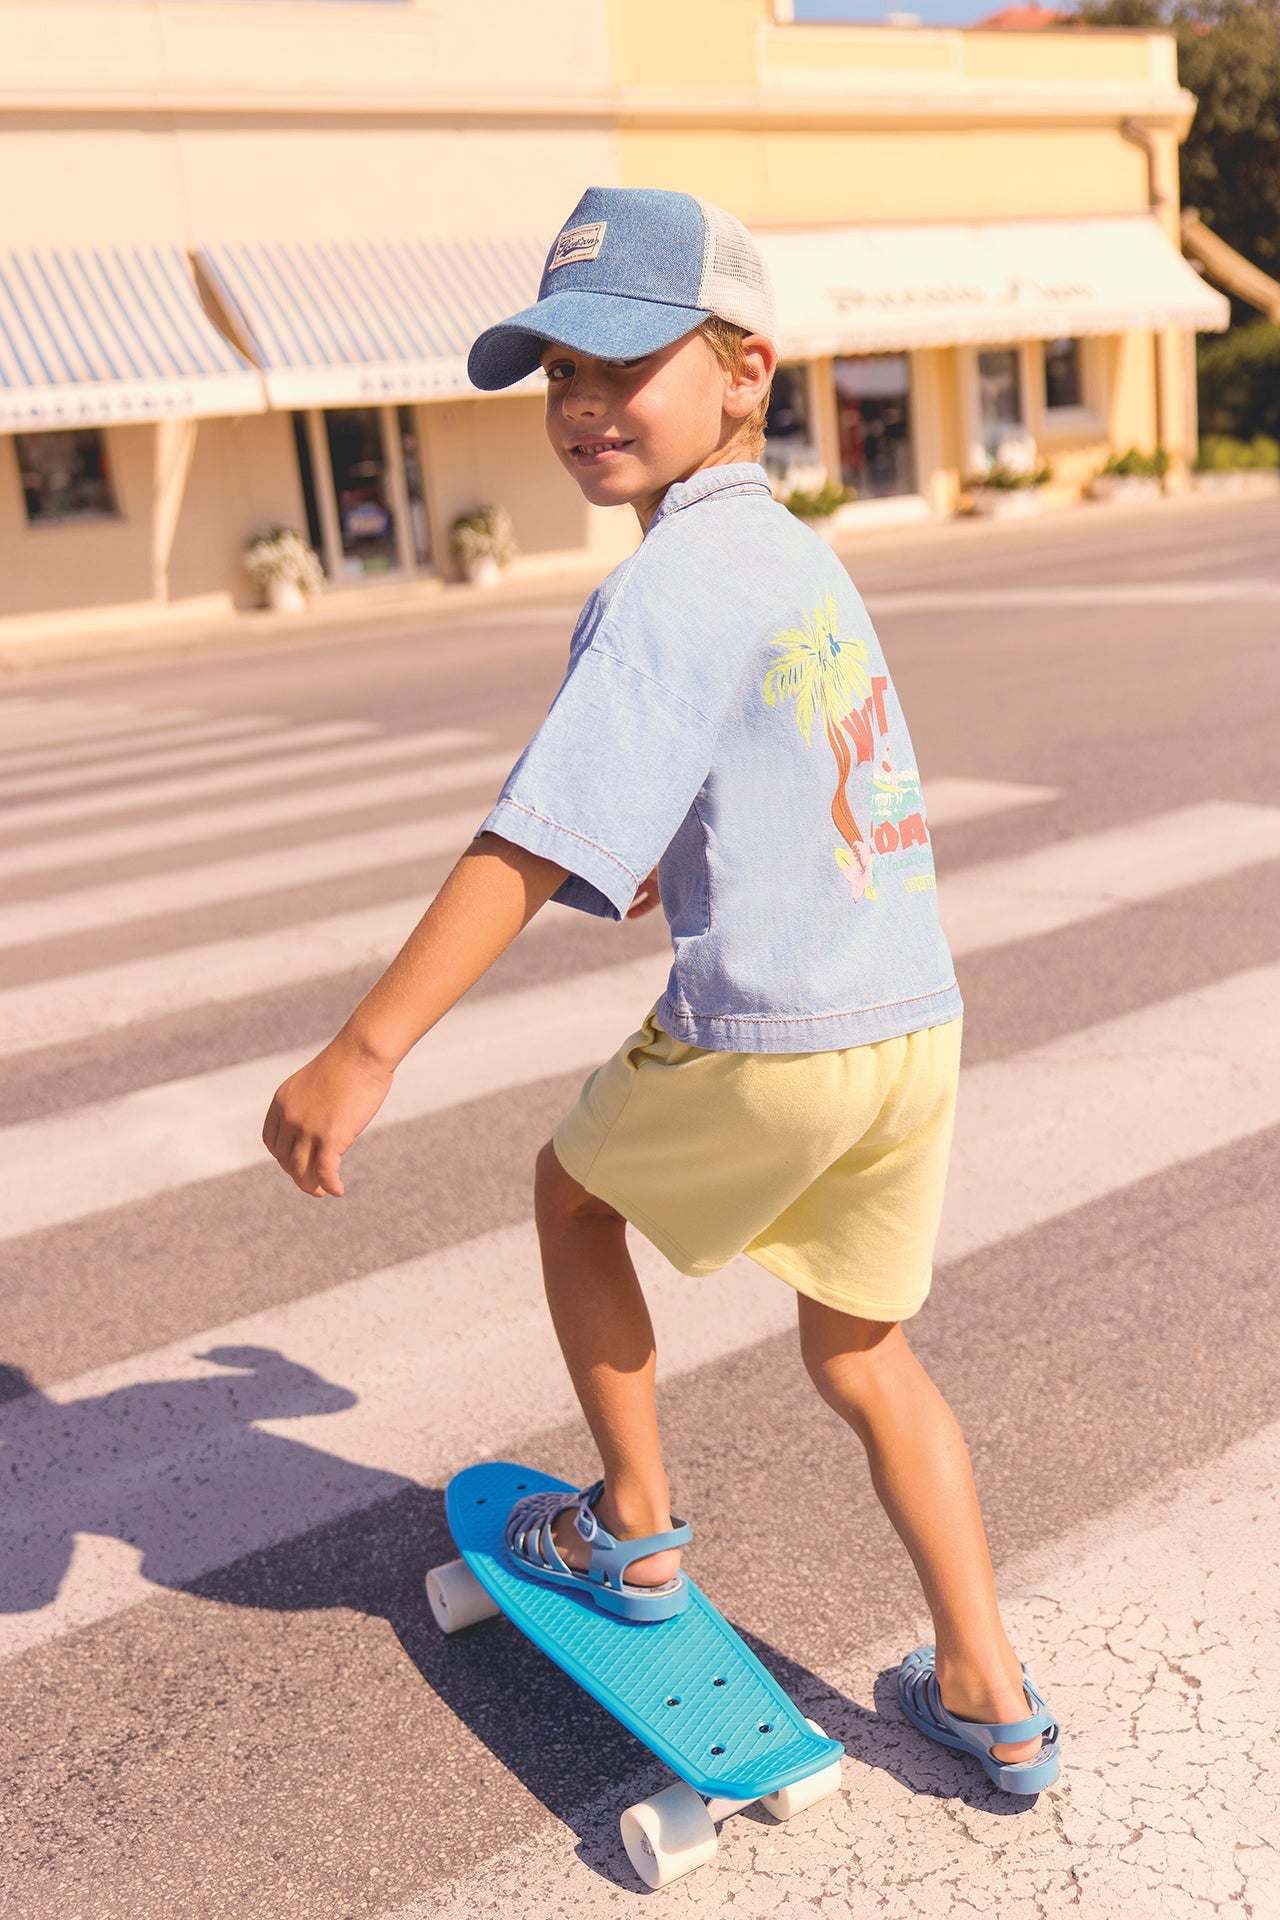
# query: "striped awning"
336,323
90,334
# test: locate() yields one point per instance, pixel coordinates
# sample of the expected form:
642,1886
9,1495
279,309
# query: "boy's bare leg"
920,1469
606,1336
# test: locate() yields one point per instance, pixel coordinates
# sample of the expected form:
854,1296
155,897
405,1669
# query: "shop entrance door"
873,411
362,481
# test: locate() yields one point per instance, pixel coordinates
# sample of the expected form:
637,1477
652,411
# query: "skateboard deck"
688,1688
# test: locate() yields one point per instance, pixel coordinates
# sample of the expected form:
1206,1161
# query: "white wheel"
805,1793
669,1835
457,1598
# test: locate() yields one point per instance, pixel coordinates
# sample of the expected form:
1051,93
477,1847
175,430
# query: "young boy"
727,743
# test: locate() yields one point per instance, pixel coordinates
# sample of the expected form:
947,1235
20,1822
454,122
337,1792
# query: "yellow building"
251,243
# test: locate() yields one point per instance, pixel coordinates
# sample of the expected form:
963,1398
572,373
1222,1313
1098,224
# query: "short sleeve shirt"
728,718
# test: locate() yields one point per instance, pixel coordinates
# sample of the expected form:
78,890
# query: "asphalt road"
229,1412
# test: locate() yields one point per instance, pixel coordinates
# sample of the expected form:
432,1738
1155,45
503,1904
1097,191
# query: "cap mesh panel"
735,281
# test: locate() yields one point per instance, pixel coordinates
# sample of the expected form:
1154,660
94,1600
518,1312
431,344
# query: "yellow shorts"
826,1168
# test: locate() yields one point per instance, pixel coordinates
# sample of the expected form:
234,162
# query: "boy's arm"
491,895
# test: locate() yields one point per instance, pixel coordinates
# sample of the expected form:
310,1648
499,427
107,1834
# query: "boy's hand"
646,899
318,1111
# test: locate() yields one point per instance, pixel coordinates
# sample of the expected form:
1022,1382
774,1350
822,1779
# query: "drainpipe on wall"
1140,136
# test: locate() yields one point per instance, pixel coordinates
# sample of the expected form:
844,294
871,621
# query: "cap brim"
608,326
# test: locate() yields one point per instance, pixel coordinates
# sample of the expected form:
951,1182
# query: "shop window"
1000,415
65,475
414,485
790,455
358,459
873,411
1063,378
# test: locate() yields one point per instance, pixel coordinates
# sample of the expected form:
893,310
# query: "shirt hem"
808,1033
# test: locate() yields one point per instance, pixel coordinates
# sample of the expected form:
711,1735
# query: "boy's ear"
750,384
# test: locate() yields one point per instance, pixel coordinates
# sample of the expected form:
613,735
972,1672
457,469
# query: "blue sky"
939,13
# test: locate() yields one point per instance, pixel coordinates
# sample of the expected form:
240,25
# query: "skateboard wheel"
804,1793
788,1801
457,1598
669,1835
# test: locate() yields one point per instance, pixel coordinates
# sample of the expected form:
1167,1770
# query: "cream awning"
338,323
93,334
871,289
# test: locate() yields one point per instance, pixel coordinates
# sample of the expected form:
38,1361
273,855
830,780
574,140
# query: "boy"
726,743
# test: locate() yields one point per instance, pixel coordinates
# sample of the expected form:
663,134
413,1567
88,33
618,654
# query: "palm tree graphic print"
827,676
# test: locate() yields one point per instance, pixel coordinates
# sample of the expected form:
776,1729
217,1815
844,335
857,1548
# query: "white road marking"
998,901
262,813
61,719
1139,593
136,796
983,906
1038,1135
244,742
104,999
117,903
63,754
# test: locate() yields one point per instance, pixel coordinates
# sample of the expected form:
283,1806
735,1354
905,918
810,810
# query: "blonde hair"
725,341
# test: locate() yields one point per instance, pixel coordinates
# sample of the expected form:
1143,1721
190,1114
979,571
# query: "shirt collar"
741,476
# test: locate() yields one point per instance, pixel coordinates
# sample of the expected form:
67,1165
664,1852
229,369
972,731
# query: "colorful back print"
829,676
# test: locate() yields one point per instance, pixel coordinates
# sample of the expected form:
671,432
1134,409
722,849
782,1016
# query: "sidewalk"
428,604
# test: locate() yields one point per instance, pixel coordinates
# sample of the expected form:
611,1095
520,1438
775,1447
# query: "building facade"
253,240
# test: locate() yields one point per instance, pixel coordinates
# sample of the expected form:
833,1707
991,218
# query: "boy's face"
627,429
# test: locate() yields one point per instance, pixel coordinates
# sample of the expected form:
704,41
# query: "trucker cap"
632,269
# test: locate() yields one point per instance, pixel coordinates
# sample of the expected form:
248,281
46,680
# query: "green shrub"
1003,479
817,506
1224,453
1238,374
1148,466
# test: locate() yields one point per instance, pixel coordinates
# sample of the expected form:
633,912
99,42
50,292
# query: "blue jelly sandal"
921,1701
532,1549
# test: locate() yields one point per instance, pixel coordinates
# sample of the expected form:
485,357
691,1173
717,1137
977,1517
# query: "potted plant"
1006,491
483,543
1131,476
817,505
284,568
1225,464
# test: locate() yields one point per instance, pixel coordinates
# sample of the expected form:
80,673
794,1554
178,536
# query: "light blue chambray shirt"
727,716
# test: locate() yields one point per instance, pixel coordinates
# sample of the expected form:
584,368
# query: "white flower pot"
1124,486
1006,503
286,596
483,571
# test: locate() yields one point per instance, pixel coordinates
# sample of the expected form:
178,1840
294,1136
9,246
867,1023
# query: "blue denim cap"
632,269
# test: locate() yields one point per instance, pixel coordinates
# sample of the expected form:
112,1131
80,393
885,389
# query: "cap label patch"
577,243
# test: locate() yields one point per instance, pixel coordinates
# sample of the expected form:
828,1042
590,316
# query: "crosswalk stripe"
261,813
983,906
62,754
1038,1135
113,904
1138,593
119,767
136,796
103,999
117,904
30,717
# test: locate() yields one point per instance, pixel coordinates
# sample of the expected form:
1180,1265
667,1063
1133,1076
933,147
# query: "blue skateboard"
687,1687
